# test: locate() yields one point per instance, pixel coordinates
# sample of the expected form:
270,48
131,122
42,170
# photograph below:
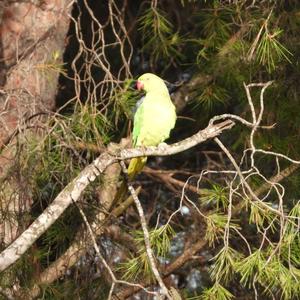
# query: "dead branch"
167,177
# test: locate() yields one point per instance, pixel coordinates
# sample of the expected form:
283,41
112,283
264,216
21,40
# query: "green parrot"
155,117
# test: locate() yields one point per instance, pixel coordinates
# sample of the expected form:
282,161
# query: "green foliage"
217,291
291,240
249,266
217,196
57,158
290,247
136,267
215,25
88,124
267,269
223,44
210,96
52,162
125,99
53,66
158,35
139,266
160,238
216,223
274,275
270,51
261,216
224,264
294,219
62,232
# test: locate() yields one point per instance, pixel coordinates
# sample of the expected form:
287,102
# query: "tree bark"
75,188
32,40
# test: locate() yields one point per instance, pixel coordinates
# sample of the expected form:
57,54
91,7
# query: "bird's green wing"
137,123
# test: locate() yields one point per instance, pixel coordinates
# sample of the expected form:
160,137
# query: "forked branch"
74,189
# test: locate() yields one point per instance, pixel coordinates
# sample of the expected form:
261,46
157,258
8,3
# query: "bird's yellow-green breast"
154,118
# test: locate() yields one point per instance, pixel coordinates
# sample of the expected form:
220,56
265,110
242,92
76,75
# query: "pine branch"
190,251
74,189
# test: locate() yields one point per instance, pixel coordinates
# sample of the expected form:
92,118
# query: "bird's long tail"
135,166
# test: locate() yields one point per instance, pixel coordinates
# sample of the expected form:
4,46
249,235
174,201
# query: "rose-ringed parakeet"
155,117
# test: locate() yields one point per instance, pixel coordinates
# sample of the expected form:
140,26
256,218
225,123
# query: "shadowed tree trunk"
32,39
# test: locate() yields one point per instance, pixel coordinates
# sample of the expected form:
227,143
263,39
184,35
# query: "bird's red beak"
139,85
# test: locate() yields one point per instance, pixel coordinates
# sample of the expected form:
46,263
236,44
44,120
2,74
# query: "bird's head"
150,82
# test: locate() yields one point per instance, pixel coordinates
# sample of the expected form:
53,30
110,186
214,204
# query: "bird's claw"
162,146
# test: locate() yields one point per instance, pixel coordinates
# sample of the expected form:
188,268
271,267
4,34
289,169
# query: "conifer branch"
190,251
74,189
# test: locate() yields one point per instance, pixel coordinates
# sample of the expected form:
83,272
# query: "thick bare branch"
74,189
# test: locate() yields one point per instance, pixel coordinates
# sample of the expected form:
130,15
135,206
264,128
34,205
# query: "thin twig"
146,236
103,261
75,188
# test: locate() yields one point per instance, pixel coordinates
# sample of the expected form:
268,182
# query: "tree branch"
74,189
146,236
190,251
